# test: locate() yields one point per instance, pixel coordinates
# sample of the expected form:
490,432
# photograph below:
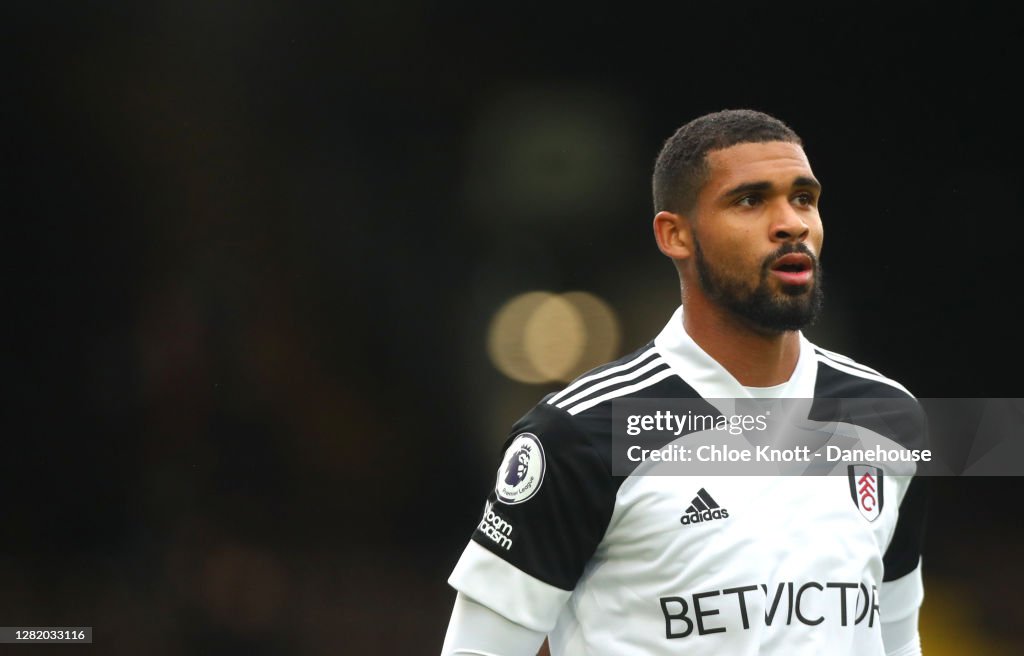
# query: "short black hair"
682,168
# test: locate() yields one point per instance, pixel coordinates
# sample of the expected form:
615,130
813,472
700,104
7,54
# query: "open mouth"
793,268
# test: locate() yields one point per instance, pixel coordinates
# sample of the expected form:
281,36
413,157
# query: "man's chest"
719,532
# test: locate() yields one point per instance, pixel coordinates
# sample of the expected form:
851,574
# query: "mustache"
786,249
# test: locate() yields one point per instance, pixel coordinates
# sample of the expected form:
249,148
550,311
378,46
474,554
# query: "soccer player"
607,564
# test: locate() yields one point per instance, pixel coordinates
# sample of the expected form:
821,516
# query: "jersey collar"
711,380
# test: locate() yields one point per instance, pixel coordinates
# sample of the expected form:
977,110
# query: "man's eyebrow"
804,181
749,187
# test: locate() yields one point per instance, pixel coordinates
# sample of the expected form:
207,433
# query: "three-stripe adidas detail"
846,365
644,370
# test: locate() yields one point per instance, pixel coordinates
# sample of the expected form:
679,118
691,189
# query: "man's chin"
792,291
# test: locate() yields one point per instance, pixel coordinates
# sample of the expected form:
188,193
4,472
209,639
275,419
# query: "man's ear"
674,235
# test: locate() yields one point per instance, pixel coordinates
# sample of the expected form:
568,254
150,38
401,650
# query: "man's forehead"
774,161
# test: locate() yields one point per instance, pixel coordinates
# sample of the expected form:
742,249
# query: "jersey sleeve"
548,511
475,629
902,589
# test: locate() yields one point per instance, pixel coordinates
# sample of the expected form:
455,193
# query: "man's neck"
753,358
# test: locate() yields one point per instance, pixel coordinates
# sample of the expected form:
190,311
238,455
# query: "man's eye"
805,199
748,201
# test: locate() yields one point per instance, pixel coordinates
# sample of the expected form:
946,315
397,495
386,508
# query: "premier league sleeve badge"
522,470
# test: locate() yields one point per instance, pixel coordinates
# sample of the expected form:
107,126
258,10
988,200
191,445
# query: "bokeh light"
541,337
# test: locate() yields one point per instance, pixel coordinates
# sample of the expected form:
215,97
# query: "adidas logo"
703,509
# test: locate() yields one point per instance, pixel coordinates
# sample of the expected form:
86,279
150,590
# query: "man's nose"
788,224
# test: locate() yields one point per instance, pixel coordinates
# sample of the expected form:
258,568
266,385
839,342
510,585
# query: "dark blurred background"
256,249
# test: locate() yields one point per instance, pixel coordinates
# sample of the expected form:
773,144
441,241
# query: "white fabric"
912,649
788,540
477,630
901,637
713,381
498,584
901,597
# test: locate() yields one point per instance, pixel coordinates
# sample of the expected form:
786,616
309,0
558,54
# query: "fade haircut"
682,166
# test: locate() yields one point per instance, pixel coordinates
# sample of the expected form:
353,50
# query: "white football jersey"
696,564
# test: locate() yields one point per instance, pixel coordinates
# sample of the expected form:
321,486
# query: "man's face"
757,235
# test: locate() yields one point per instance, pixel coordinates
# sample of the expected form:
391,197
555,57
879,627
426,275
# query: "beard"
762,308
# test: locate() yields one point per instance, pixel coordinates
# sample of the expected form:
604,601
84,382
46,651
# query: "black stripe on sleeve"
904,550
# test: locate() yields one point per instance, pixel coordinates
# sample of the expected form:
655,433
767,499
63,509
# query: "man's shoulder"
573,425
644,373
565,411
582,410
841,376
853,393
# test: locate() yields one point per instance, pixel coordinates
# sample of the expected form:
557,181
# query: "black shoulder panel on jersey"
904,550
877,406
554,532
833,383
597,421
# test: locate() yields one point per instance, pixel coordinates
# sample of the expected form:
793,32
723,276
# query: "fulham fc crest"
866,490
